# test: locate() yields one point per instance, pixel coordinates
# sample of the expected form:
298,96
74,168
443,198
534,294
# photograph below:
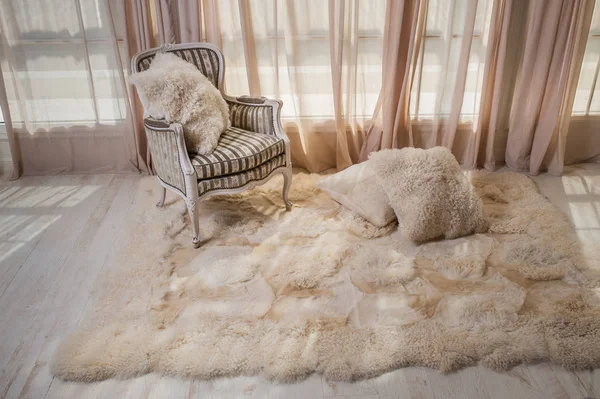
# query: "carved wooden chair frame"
175,171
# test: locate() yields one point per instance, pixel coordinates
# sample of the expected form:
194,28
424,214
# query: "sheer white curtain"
493,80
451,70
354,76
323,59
65,100
456,74
583,141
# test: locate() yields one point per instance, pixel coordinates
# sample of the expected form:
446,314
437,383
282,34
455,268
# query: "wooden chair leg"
287,182
163,194
194,219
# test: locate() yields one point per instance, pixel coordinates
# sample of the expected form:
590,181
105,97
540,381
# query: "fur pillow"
429,193
356,188
175,90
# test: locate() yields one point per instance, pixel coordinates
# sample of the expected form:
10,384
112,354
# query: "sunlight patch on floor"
45,196
27,211
581,188
16,231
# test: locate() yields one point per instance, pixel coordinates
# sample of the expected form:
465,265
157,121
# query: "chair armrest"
170,158
251,100
158,124
256,114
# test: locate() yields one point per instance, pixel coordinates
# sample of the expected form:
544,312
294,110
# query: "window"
60,61
292,41
587,96
438,60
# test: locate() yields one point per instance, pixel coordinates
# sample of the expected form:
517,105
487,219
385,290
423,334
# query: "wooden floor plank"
22,224
567,383
66,295
358,388
21,301
511,384
404,383
67,299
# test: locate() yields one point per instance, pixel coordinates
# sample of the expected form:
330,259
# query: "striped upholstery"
205,59
255,118
165,156
238,150
241,179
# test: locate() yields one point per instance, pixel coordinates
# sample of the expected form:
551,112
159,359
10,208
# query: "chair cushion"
238,150
241,179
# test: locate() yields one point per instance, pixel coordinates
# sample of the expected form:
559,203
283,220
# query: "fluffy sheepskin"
286,294
429,193
175,90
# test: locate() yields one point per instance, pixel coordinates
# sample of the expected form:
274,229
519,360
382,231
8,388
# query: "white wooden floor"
57,232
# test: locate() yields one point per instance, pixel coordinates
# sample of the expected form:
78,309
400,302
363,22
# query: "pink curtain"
395,126
546,57
481,148
556,33
402,35
495,80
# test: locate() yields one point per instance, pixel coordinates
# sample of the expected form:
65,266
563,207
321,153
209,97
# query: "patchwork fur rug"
320,290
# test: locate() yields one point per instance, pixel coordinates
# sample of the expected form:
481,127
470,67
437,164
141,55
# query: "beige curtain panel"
499,82
504,91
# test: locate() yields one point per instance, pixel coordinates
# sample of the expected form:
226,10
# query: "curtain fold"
251,60
426,111
343,31
448,132
481,148
391,126
537,132
139,36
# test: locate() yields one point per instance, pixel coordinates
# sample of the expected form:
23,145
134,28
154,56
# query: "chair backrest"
205,56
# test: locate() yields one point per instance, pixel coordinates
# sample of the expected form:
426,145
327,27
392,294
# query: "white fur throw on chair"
175,90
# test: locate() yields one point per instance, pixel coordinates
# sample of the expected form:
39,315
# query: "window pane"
438,66
293,50
369,71
43,20
96,19
56,75
587,96
52,81
371,18
110,94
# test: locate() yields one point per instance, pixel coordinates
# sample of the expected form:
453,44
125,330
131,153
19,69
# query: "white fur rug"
314,290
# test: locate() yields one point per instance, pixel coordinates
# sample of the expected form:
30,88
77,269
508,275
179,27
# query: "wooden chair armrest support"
170,158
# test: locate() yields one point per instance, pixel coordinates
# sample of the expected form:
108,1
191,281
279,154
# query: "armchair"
249,153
